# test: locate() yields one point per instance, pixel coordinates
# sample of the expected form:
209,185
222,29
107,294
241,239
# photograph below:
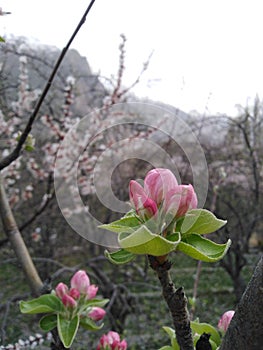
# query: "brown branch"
17,242
176,301
16,152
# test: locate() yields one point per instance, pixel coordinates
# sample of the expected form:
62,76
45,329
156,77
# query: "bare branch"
16,152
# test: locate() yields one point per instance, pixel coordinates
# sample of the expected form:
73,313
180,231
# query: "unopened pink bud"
80,281
179,200
61,290
145,207
68,301
92,291
225,320
97,313
158,182
188,200
74,293
123,345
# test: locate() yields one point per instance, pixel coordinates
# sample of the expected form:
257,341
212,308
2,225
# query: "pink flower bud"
144,206
225,320
111,341
92,291
158,182
179,200
97,313
68,301
80,281
61,290
74,293
123,345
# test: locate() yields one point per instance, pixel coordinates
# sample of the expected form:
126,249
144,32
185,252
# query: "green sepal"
143,241
199,221
89,324
127,223
67,329
44,303
201,328
119,257
48,322
200,248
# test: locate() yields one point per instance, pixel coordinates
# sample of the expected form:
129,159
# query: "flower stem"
176,301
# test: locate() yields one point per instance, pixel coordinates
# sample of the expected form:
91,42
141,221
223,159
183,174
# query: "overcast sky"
207,54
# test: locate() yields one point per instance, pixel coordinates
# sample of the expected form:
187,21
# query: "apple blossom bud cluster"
80,291
225,320
111,341
161,196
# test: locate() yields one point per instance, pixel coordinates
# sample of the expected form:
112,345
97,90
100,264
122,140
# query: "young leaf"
171,333
48,322
90,325
200,221
200,248
95,302
126,224
44,303
67,329
119,257
201,328
143,241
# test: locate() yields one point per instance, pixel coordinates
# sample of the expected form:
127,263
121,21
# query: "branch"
177,303
245,329
16,152
17,242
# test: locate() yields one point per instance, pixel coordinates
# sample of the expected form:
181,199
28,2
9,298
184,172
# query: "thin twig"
16,152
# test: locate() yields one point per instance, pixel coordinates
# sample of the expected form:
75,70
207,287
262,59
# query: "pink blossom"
61,290
180,199
225,320
68,301
97,313
111,341
74,293
92,291
144,206
158,182
80,281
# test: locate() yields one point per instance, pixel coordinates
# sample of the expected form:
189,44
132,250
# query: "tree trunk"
245,329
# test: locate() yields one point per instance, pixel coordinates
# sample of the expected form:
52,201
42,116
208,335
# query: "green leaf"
166,347
126,224
67,329
2,40
119,257
201,328
200,221
171,333
200,248
96,302
93,302
48,322
45,303
89,324
143,241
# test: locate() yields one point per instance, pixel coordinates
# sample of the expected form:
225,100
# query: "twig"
16,152
176,301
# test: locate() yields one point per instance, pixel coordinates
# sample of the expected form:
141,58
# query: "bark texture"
245,331
177,303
